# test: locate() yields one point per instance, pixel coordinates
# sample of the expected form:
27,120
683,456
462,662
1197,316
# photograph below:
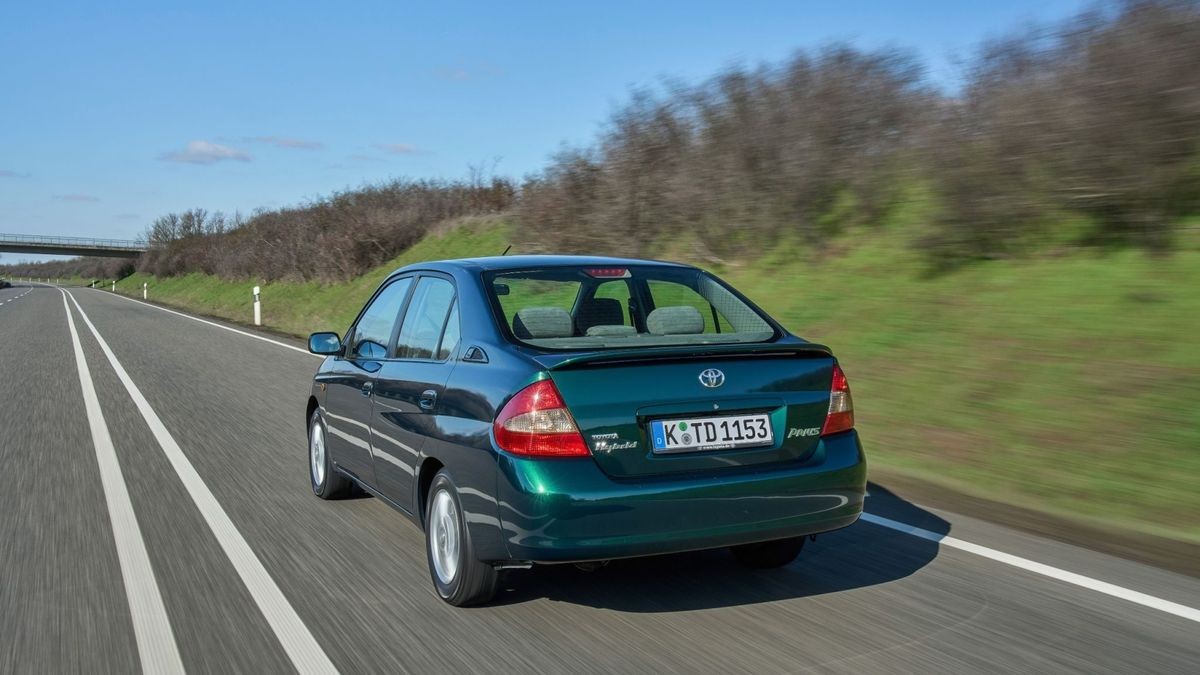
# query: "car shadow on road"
861,555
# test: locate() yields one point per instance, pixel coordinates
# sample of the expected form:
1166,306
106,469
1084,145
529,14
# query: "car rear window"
579,307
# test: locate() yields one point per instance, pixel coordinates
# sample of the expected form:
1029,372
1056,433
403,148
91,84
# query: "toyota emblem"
712,378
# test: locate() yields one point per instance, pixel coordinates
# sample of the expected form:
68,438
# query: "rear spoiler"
623,357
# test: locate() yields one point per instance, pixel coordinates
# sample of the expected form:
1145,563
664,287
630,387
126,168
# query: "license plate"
710,433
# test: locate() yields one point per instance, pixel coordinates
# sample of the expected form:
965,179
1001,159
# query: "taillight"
536,423
841,406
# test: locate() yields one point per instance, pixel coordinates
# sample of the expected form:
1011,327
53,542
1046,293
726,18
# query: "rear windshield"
622,307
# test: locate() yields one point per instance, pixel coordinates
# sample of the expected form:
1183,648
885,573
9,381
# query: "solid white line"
1038,568
213,323
151,628
297,641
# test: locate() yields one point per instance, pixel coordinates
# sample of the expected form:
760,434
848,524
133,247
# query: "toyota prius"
555,409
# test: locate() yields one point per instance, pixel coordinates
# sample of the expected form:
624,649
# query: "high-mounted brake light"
841,406
607,272
536,423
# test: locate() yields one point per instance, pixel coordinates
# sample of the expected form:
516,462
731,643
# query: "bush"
335,238
1099,117
85,268
763,151
1094,119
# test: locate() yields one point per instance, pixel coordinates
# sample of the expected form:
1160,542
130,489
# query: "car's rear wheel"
326,483
458,577
768,554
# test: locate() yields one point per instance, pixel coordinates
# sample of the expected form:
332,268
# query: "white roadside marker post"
257,308
144,284
114,288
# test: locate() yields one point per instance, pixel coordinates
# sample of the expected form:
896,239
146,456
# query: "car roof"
520,262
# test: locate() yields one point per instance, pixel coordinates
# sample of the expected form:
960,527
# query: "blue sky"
116,112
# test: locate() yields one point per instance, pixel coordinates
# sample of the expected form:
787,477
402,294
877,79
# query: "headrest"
599,312
542,322
680,320
611,330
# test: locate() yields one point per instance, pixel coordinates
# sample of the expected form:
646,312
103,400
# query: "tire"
326,482
458,578
767,555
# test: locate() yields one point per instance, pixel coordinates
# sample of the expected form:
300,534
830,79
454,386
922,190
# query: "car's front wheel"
768,554
326,483
458,577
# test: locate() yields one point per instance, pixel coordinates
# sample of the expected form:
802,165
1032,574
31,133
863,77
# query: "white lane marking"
297,641
1039,568
157,648
213,323
17,297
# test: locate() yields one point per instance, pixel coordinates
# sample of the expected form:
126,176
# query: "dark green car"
553,409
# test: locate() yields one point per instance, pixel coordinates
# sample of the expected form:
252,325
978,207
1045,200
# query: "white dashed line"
16,297
297,641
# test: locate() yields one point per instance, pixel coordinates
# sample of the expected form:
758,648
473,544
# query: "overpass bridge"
35,243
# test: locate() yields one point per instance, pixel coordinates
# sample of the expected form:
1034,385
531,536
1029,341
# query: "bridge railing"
78,242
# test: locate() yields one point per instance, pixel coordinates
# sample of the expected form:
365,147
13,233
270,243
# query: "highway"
156,515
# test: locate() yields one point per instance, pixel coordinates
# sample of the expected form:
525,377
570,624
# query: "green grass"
301,308
1066,384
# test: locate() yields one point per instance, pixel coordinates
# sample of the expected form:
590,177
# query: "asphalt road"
352,574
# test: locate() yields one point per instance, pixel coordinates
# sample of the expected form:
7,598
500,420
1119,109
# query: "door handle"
367,388
428,399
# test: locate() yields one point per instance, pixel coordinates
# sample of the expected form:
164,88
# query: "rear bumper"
568,510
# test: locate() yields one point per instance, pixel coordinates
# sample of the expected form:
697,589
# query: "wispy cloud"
364,158
203,152
6,173
453,73
77,198
290,143
459,73
397,148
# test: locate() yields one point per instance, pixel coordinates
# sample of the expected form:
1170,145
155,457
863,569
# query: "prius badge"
712,378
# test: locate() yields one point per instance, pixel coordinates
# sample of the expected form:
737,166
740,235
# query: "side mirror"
325,344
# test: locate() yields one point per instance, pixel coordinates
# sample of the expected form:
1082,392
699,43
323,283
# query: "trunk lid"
617,396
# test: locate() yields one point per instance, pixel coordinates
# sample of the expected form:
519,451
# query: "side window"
371,334
450,336
425,318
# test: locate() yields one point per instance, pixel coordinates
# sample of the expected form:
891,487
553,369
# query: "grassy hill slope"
1066,384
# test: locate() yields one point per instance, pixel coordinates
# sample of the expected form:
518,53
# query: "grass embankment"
302,308
1068,384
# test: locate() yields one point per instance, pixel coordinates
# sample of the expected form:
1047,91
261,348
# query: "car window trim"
412,290
446,324
417,276
347,341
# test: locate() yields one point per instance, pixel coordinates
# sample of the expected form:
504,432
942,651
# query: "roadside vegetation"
1009,272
